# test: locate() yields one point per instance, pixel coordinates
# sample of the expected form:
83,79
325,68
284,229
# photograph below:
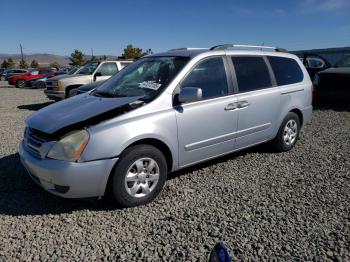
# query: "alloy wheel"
290,132
142,177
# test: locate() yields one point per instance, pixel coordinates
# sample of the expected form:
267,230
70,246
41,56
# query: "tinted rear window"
251,72
286,70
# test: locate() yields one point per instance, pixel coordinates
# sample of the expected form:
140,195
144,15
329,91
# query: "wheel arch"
299,114
70,87
164,148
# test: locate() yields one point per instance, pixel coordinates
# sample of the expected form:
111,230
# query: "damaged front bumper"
68,179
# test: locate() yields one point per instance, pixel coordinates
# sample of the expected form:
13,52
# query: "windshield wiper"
105,94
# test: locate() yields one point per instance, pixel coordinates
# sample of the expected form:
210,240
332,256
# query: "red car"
20,80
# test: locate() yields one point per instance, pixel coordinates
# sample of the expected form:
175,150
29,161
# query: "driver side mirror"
190,94
96,75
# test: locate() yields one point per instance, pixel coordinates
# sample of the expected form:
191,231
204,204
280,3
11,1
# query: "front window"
345,62
146,77
89,68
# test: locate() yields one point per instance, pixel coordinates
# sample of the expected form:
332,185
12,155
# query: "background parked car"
40,82
315,63
20,80
334,82
12,72
63,87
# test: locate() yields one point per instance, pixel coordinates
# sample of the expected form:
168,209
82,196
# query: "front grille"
50,85
34,141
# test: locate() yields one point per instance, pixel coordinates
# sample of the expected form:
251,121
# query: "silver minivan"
162,113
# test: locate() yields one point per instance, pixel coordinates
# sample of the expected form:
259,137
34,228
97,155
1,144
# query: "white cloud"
324,5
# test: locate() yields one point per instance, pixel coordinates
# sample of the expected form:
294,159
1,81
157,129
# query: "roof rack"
187,48
259,47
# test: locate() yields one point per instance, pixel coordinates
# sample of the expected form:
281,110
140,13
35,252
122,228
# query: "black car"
314,63
334,82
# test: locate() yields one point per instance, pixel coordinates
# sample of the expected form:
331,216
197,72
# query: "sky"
107,26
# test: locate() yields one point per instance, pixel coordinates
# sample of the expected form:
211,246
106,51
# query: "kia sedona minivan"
162,113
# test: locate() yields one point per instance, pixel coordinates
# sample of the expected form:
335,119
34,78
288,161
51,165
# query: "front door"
207,128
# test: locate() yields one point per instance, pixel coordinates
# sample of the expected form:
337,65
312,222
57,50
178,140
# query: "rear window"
287,71
251,72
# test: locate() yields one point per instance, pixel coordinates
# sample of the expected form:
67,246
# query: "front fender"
110,140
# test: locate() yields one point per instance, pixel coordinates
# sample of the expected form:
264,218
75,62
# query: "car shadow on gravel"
34,107
20,196
262,148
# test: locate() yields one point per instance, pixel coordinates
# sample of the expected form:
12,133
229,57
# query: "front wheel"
288,133
72,92
20,83
139,176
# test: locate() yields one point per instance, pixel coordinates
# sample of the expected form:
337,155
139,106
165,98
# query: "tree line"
78,58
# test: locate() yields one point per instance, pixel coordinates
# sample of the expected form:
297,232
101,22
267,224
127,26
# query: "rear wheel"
139,176
288,133
20,83
40,85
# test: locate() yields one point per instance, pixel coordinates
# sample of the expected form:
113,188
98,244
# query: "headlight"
70,147
54,83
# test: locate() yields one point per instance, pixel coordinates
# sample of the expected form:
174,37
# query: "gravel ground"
265,206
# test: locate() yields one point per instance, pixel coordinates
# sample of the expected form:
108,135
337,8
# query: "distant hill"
45,59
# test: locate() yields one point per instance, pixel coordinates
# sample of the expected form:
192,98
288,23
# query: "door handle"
231,106
243,104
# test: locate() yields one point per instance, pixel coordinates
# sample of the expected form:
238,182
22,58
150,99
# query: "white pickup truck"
61,87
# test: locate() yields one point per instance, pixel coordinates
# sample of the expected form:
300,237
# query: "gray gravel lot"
287,206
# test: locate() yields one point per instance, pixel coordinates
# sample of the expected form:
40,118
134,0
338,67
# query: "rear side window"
108,69
210,76
251,72
287,71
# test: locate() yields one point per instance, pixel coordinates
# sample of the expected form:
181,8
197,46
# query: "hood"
78,112
59,77
336,70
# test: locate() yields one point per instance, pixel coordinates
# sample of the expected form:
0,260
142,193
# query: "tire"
40,85
288,133
20,83
72,92
3,78
133,164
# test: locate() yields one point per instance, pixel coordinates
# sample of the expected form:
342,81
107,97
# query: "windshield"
72,71
89,68
146,77
345,62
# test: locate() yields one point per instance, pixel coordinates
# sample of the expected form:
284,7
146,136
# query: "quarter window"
252,73
108,69
210,76
286,70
